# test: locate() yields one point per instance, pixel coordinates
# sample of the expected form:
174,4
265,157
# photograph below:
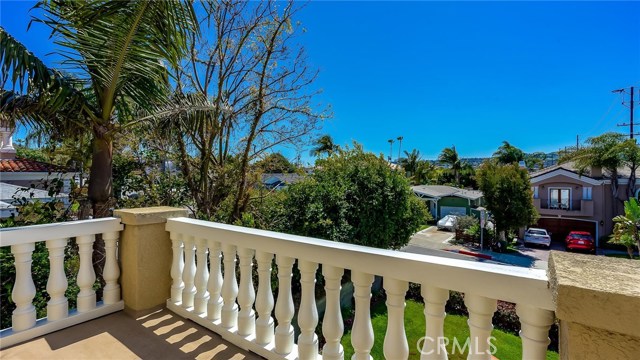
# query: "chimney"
596,172
6,145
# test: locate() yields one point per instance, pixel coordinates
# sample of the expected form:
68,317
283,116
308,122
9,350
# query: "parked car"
580,240
537,236
448,222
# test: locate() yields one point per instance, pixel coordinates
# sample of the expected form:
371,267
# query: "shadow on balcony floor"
160,335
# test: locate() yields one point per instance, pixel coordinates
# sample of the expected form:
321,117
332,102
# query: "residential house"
17,174
277,181
445,200
568,200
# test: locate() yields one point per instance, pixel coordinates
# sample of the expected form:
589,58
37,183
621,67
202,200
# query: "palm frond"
123,45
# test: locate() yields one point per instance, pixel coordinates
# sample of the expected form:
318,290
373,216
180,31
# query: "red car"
580,240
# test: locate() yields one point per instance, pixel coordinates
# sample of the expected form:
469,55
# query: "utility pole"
400,138
577,142
390,148
631,105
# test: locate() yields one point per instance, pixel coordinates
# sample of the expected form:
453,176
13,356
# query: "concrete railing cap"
149,215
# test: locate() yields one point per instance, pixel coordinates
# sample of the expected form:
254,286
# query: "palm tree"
450,157
410,161
118,53
508,154
627,227
324,145
119,69
601,152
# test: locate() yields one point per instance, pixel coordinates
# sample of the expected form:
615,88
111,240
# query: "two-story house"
568,200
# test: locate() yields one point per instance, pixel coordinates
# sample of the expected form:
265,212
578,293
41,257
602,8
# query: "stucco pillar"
145,257
598,304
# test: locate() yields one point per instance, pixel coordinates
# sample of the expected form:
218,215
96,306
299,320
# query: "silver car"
448,222
537,236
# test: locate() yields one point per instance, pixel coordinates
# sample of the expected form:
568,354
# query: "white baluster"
535,324
229,314
284,306
362,333
264,301
481,311
308,313
189,271
435,299
246,294
58,306
214,306
177,265
332,325
395,339
111,272
202,276
86,276
24,316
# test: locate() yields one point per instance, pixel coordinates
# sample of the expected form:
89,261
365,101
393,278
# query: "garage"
452,210
560,227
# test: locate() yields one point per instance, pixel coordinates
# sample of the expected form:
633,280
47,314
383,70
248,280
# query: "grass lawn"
508,345
623,256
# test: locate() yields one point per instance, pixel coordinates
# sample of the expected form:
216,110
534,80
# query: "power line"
631,103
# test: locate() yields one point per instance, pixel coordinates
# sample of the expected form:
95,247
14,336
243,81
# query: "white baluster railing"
246,294
22,241
284,306
229,288
308,314
214,306
480,282
264,302
202,277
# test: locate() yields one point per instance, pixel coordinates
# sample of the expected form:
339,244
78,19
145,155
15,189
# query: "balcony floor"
160,335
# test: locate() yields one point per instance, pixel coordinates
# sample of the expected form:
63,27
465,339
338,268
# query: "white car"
537,236
448,222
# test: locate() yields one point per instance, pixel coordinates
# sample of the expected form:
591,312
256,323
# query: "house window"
535,192
559,198
587,193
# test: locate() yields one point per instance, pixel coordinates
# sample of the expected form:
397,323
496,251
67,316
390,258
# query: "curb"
471,253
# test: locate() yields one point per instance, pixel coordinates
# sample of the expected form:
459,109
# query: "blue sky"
469,74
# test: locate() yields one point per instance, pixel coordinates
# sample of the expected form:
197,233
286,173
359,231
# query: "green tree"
450,157
323,145
601,152
115,51
426,173
535,161
507,192
630,154
352,197
410,161
118,53
626,230
276,163
508,154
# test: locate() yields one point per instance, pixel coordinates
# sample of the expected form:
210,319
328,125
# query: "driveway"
431,238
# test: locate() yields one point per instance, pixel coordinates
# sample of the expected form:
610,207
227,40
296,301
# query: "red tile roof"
24,165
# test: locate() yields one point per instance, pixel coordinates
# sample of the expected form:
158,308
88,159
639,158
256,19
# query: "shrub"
353,197
466,222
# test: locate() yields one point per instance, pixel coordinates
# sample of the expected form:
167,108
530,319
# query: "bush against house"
353,197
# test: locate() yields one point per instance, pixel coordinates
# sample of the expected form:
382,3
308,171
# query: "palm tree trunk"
100,182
